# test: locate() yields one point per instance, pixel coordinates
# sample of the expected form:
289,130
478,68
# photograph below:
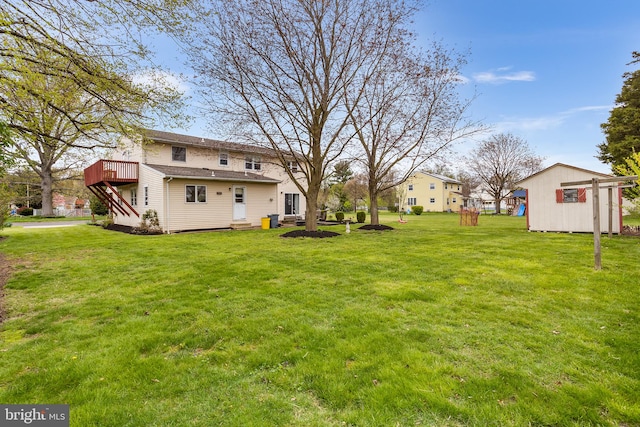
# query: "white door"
239,203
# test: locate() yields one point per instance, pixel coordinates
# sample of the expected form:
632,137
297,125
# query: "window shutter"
582,195
559,196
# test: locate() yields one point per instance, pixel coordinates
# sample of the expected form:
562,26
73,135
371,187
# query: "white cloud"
162,79
501,75
546,122
462,79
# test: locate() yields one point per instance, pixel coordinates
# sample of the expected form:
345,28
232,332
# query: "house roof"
211,174
442,178
174,138
604,175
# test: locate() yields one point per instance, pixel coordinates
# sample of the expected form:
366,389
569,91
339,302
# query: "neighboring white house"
195,183
551,207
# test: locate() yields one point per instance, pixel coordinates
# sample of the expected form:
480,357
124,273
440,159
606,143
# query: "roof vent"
213,173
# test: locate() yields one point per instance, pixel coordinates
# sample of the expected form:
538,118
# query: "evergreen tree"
622,130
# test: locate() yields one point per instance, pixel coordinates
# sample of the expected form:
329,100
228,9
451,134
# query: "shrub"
339,216
97,207
361,216
25,211
392,209
417,210
150,220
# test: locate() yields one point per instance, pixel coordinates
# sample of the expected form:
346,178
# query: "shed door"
239,203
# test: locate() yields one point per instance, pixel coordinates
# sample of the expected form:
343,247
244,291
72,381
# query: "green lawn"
20,219
430,324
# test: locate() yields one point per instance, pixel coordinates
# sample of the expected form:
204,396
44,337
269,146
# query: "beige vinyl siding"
217,212
152,179
262,199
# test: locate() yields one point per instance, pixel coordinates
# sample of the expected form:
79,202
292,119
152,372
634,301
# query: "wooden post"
610,194
595,187
597,254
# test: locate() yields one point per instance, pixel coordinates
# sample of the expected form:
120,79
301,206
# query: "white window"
196,193
432,186
146,195
134,196
410,187
252,163
293,166
571,195
445,186
411,201
223,159
454,201
447,200
179,154
432,200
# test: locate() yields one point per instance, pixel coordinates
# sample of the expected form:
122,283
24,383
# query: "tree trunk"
497,202
311,220
46,182
373,208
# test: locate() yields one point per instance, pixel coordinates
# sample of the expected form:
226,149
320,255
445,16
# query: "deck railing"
112,171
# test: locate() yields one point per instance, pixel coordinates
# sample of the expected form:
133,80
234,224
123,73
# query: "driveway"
47,224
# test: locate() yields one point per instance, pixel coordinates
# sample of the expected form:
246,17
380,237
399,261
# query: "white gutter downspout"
166,210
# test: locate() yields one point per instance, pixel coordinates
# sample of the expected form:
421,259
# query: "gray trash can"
274,220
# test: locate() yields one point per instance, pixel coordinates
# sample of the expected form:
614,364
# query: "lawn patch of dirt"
377,227
319,234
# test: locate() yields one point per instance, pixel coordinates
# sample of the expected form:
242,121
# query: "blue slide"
521,209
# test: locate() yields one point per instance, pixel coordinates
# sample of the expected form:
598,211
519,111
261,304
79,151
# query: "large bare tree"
500,161
280,71
408,113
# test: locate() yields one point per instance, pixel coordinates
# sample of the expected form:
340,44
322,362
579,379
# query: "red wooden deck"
112,171
104,175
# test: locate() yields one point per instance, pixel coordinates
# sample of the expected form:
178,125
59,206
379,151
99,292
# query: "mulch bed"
377,227
324,234
319,234
131,230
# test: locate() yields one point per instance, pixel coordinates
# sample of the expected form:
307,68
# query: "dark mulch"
314,234
120,228
377,227
631,230
132,230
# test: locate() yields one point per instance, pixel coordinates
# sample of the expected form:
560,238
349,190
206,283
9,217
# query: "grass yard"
20,219
430,324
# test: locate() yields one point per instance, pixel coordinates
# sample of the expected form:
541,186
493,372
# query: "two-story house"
195,183
435,193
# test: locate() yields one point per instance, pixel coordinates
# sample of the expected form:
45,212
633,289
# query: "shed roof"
211,174
590,172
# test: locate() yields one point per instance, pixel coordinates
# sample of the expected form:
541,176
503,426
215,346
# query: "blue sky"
546,71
